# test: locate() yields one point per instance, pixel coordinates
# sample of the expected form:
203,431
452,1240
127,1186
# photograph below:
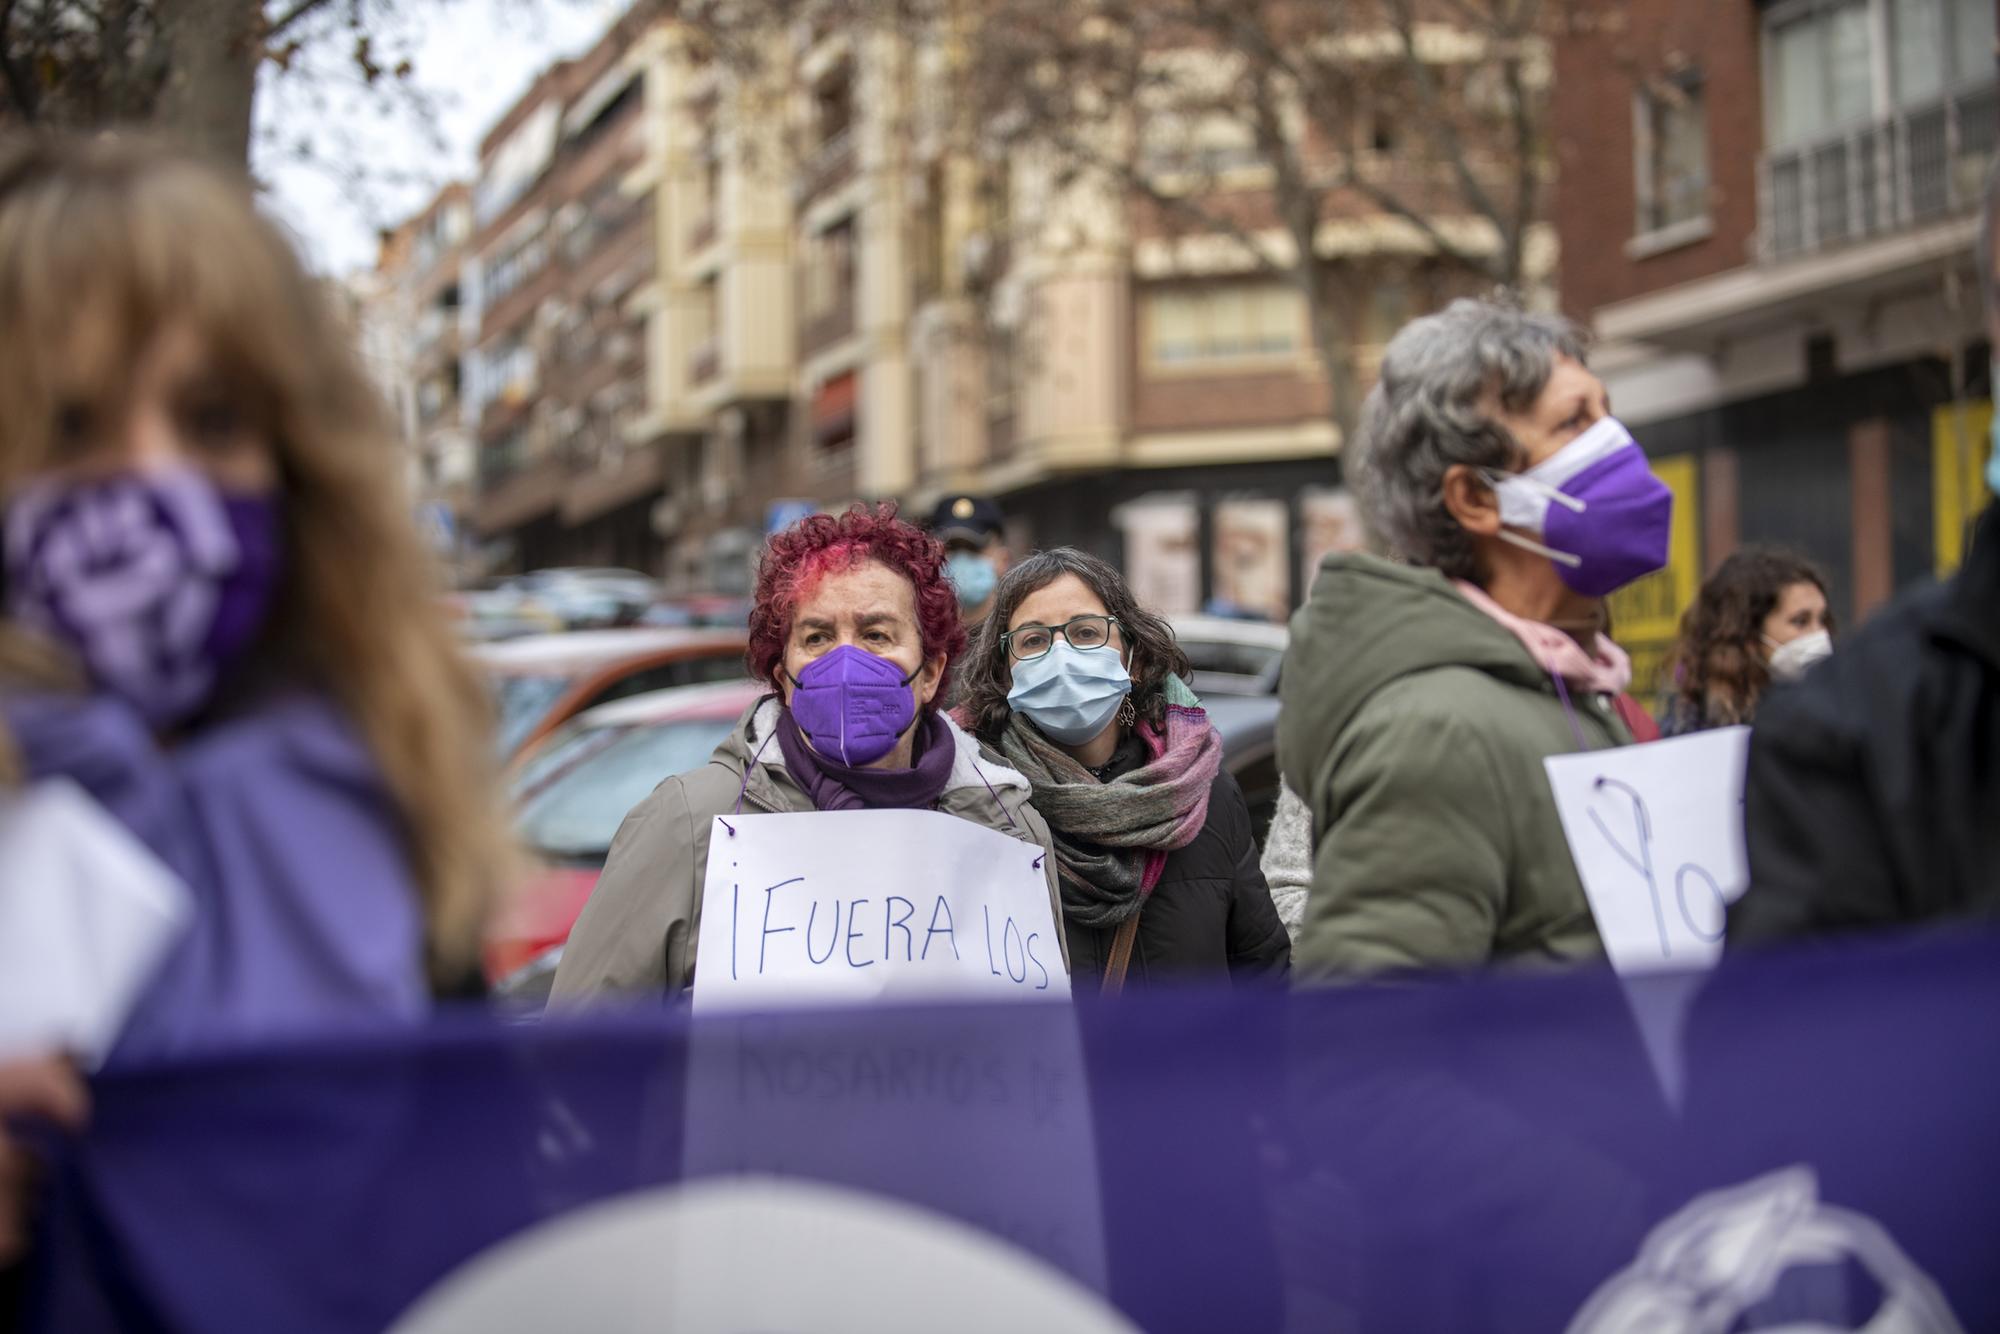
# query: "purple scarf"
836,787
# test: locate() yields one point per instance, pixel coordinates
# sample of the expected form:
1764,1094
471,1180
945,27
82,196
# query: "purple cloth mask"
852,705
158,581
1602,516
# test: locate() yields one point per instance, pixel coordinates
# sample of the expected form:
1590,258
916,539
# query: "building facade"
418,304
1768,214
555,364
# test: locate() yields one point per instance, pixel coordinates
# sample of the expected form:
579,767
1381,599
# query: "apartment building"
857,299
417,302
1767,213
555,369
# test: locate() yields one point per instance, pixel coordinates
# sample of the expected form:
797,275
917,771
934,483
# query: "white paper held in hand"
843,907
86,914
1657,834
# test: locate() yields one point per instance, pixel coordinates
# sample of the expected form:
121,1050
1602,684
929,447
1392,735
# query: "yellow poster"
1646,617
1961,439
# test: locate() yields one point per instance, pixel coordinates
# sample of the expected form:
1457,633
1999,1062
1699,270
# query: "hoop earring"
1127,715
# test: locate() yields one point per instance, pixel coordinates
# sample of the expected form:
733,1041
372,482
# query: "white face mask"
1789,661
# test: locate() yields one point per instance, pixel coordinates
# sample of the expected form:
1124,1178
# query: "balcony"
828,167
1921,165
704,362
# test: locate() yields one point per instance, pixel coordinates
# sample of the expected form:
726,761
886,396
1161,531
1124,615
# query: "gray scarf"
1112,839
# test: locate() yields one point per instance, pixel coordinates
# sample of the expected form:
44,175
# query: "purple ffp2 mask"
158,581
1601,514
852,705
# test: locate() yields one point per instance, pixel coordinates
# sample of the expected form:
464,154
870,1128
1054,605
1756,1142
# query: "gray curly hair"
1428,412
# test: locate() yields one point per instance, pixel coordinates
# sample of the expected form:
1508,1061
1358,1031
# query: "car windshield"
578,811
524,701
1230,667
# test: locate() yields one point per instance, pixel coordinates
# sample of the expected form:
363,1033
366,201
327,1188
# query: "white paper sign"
1657,834
86,914
843,907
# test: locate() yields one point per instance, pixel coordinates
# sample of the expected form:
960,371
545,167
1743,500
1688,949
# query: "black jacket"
1211,914
1873,794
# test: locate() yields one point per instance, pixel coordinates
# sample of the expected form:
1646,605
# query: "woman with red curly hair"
855,628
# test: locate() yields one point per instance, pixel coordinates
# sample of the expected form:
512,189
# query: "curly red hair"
797,558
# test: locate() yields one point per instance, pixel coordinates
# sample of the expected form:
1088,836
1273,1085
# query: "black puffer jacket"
1873,794
1211,913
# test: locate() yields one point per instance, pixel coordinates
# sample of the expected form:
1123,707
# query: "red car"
572,791
543,681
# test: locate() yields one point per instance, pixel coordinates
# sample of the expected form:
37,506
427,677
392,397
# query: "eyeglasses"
1034,641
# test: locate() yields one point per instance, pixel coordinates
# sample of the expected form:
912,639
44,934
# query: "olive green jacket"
1414,728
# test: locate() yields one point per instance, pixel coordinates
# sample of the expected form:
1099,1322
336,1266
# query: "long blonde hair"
107,242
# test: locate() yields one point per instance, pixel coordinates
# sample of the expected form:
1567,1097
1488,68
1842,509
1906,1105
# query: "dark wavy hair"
1718,667
798,557
1156,655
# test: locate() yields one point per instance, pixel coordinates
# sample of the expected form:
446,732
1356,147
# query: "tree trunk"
212,50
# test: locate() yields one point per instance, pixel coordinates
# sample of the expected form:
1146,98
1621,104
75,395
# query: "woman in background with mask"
856,628
1761,617
1083,692
216,616
1422,695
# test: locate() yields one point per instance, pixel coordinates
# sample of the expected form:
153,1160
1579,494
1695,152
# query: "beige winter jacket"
637,933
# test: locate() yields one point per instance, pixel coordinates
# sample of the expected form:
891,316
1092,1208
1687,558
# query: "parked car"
1232,657
1248,725
570,795
489,615
587,598
543,681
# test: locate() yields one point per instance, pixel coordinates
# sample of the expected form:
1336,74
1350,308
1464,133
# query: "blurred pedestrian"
856,629
1872,787
975,550
218,617
1085,692
1421,696
1761,617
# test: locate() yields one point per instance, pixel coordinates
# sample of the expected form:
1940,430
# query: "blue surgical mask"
1071,694
972,576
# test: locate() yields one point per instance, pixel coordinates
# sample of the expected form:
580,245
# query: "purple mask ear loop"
1569,711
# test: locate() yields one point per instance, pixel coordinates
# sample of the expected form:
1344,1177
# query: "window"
1671,147
1936,44
833,106
829,270
1821,74
1232,322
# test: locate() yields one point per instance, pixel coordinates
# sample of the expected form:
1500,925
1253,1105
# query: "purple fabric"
1623,532
853,704
306,913
158,581
1484,1153
839,787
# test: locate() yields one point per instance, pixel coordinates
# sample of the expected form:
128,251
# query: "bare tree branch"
290,17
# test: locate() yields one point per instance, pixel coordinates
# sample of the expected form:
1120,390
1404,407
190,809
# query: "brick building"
420,296
555,371
1767,213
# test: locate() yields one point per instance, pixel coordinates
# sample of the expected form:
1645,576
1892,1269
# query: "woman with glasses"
1082,691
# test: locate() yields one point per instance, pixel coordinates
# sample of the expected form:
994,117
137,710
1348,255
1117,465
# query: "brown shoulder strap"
1121,955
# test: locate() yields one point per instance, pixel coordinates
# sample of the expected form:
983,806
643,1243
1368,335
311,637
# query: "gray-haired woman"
1422,694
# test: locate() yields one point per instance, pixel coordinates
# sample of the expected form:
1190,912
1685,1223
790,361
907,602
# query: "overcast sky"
367,161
